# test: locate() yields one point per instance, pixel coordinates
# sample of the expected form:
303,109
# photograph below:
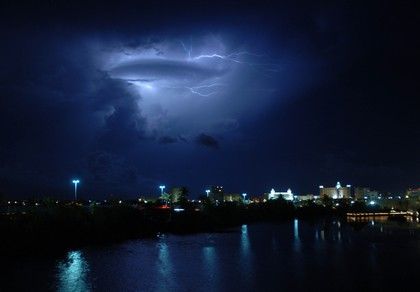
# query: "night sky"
248,95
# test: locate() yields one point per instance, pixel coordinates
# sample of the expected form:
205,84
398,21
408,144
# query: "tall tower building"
217,194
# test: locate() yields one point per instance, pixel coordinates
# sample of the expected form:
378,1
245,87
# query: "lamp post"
207,192
161,190
75,181
244,195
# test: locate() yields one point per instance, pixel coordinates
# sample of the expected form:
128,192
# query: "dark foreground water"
294,255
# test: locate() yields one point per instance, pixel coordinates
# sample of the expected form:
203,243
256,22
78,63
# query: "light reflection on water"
244,240
285,256
73,273
210,265
209,254
165,266
296,241
246,258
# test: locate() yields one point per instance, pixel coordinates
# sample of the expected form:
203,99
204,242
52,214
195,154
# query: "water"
294,255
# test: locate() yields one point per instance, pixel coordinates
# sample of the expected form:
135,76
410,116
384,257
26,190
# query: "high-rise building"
337,192
217,194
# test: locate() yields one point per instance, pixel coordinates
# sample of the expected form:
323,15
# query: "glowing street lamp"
75,181
207,192
244,195
161,190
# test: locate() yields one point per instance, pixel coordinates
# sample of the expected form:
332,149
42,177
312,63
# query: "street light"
207,192
75,181
244,195
161,190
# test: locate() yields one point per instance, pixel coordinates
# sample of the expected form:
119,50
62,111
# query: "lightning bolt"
196,89
268,67
201,90
233,57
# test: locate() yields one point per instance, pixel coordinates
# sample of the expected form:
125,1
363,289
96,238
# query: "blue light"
75,182
161,189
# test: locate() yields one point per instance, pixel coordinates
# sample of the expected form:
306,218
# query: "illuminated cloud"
180,82
165,71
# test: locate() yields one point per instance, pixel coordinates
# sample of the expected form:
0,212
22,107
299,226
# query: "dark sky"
249,95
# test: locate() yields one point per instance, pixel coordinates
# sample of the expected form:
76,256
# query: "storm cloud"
167,71
136,96
167,140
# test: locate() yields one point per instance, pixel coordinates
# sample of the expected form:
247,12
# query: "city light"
76,182
207,192
372,203
161,189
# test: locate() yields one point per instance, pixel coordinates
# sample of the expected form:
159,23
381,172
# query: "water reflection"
296,241
73,273
241,261
210,259
246,257
244,240
210,265
165,267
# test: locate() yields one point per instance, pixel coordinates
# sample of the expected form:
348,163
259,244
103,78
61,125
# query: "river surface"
294,255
